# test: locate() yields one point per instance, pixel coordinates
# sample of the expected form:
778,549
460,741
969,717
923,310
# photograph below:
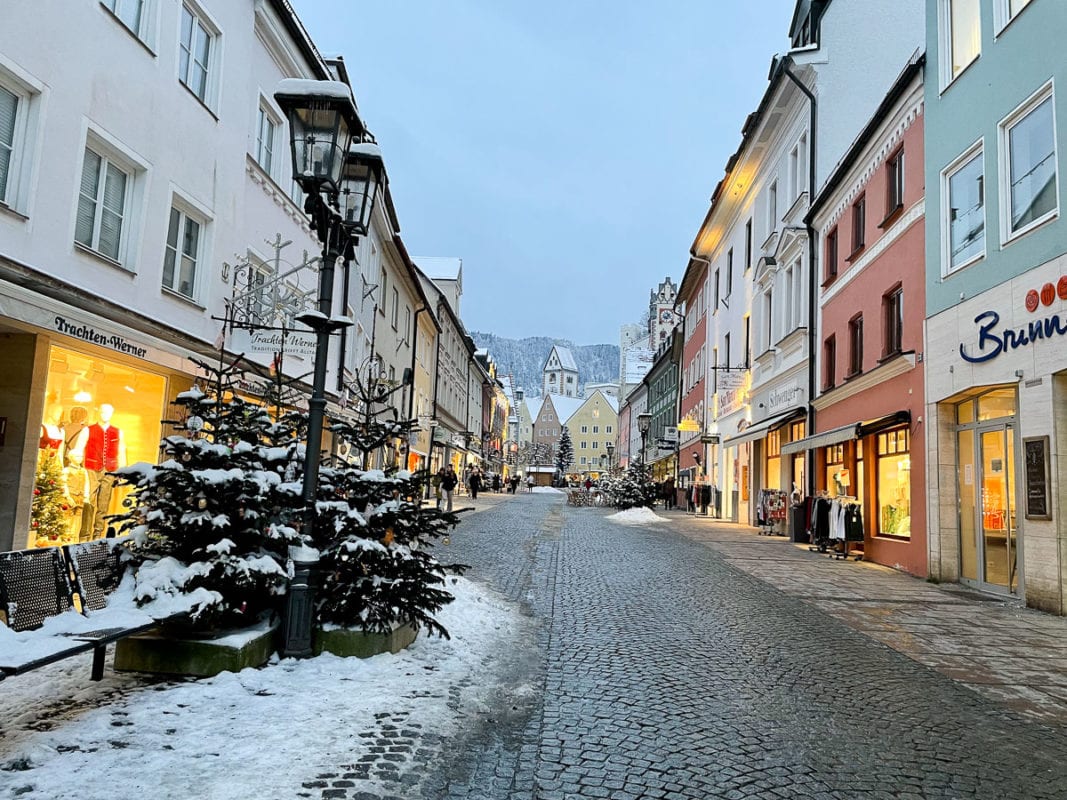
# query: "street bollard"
300,603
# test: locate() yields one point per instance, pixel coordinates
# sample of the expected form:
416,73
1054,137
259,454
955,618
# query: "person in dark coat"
474,482
448,484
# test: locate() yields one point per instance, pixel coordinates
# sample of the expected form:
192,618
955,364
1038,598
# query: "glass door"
988,534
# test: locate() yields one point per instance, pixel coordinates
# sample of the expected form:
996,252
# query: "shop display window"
99,415
773,445
836,475
894,483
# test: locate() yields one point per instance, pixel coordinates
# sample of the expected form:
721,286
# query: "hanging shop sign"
87,333
293,343
994,339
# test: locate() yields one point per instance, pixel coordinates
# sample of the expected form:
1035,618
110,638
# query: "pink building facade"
868,438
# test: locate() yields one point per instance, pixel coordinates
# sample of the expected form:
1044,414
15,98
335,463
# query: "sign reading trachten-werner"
299,343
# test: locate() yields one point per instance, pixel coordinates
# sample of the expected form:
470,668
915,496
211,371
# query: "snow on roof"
566,407
300,87
639,361
566,358
533,405
611,401
439,268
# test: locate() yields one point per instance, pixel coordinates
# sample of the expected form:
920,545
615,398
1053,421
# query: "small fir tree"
565,452
50,511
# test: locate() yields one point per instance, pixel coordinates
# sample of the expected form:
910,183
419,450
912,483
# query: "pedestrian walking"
529,483
435,481
448,485
496,482
514,484
474,482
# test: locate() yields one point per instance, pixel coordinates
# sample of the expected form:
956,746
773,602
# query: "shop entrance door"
988,533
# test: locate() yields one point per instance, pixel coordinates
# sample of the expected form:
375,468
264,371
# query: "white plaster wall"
184,148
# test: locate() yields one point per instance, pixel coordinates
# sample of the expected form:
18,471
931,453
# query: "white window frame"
135,169
944,20
265,112
1004,128
976,150
1002,16
25,139
772,207
148,24
189,212
214,57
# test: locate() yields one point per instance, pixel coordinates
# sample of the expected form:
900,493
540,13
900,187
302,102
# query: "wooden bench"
38,584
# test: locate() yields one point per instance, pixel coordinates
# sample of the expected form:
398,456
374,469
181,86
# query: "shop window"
894,483
836,474
996,404
86,397
773,445
1028,151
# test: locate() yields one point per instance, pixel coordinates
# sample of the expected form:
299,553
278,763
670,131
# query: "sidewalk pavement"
1011,654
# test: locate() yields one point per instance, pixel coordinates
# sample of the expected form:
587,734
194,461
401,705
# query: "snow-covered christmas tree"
632,488
210,522
374,534
564,452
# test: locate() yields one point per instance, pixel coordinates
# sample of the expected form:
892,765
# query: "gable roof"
610,401
565,356
565,407
440,268
533,406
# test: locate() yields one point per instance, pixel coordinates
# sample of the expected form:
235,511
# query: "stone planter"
232,651
350,642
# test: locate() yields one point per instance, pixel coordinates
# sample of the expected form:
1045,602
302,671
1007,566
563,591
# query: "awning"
856,430
759,429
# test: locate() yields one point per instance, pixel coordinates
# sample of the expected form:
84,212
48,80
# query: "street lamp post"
610,447
341,184
644,422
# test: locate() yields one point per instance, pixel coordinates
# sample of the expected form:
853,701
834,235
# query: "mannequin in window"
842,481
75,474
105,452
51,443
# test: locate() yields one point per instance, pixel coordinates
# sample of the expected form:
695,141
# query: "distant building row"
875,306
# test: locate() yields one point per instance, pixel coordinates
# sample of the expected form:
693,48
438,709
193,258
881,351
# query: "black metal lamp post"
610,447
322,123
644,422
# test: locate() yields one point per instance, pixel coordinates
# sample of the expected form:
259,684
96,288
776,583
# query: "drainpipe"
812,272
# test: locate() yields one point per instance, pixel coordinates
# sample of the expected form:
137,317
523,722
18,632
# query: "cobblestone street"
664,672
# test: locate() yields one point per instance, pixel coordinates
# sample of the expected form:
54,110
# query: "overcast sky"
564,149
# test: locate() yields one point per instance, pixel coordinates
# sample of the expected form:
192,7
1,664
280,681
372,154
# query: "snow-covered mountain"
524,358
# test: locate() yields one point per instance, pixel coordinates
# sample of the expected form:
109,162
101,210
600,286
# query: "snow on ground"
637,516
257,733
546,490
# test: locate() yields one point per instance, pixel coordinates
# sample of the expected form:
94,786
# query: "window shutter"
111,216
83,231
8,107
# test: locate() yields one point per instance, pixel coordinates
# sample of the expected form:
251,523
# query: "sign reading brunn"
298,343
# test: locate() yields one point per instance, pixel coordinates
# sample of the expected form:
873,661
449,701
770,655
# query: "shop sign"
295,343
787,397
994,340
1036,460
730,391
90,334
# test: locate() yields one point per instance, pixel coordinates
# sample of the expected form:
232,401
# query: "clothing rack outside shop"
771,512
835,523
